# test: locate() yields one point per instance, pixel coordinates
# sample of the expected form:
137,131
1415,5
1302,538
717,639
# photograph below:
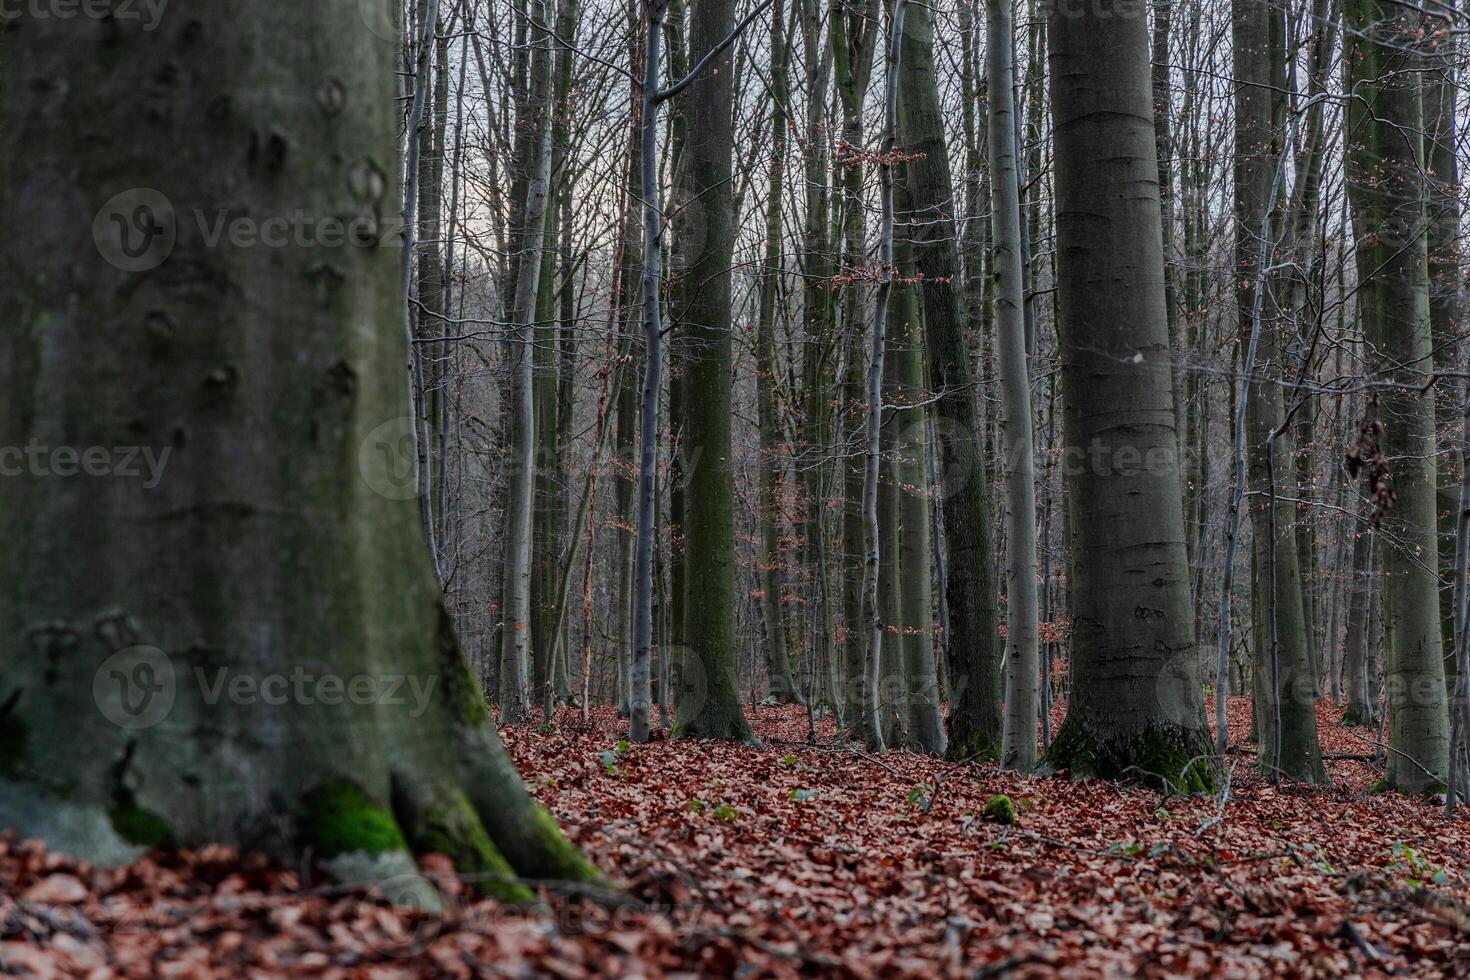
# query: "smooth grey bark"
916,673
778,658
1386,188
872,433
515,651
640,690
708,699
1284,673
974,721
1022,633
131,604
853,37
1136,709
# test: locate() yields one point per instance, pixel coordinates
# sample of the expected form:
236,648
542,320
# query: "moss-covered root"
711,723
359,843
337,817
976,747
1434,788
1358,716
1163,756
437,818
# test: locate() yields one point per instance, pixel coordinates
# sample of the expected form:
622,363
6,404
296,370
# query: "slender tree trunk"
1283,659
974,715
1020,452
778,659
516,643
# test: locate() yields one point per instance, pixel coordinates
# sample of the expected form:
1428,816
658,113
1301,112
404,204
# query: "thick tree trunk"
708,698
1136,708
284,677
852,40
974,711
1386,187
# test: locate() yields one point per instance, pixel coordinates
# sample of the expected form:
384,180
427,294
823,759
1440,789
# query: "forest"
734,488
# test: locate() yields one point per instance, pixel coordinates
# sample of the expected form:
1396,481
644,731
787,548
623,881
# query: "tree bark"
301,580
1022,667
1386,188
974,713
708,698
1135,710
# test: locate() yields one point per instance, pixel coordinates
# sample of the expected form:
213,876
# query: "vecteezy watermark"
306,688
386,460
149,12
137,688
138,229
381,19
126,462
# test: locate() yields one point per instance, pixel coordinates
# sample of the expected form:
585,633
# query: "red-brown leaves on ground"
797,860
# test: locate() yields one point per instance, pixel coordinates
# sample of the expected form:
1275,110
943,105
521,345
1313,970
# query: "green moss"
438,818
975,747
1165,757
1000,809
338,818
138,826
462,694
566,862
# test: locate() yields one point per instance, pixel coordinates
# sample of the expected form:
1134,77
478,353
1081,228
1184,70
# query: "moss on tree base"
1163,756
437,818
976,747
338,818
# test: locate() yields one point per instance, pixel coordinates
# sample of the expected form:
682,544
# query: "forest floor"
793,860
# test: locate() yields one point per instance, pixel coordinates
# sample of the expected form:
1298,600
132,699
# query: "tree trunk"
516,634
1386,188
1022,667
1136,708
778,659
708,699
1284,674
302,690
974,713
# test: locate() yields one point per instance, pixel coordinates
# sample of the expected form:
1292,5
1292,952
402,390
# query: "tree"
144,618
1022,635
516,631
974,715
778,660
1135,710
1284,679
1386,187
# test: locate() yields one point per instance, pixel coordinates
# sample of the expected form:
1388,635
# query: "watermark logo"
136,231
148,12
135,688
386,460
379,17
400,915
126,462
